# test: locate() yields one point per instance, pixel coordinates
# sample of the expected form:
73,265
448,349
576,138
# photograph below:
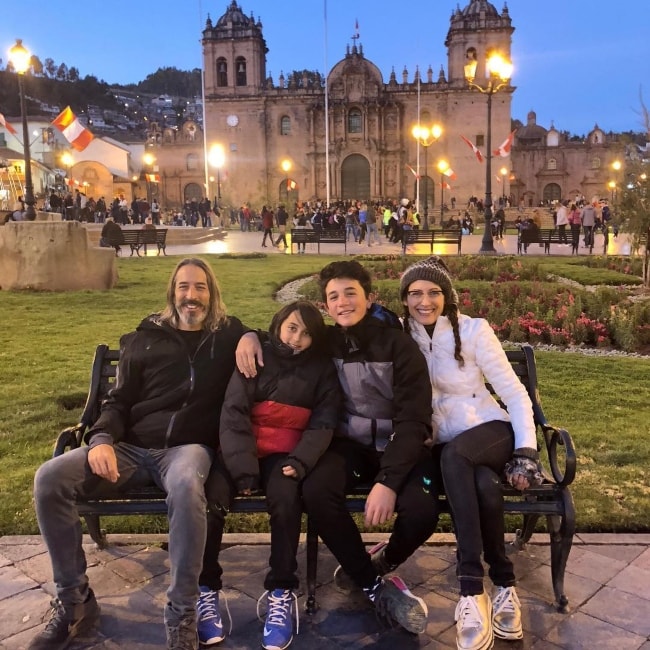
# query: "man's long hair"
216,316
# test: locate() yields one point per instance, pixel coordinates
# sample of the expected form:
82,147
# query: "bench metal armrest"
69,438
554,437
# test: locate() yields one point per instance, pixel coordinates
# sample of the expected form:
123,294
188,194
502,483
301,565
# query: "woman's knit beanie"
433,269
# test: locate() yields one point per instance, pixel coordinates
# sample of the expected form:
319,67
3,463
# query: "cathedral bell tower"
474,32
234,55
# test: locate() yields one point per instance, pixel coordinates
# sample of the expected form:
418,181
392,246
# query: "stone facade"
261,123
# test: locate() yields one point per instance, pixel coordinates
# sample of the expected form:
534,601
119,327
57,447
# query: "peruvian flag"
505,146
73,130
153,178
6,125
474,148
445,185
291,185
417,176
450,173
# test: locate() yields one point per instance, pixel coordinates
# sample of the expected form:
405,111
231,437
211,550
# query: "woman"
475,441
273,430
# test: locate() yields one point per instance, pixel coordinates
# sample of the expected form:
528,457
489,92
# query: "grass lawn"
48,340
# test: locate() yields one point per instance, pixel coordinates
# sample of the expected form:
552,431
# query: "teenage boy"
380,439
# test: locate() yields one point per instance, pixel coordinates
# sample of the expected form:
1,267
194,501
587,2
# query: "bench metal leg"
95,532
312,568
561,530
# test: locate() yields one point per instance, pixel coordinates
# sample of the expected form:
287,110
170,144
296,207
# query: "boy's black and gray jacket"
386,392
163,396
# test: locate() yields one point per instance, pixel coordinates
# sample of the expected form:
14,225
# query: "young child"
273,430
379,439
477,441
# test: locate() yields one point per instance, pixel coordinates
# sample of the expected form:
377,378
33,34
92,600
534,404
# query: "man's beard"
192,318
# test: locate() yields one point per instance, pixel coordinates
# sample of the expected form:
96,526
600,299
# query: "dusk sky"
577,63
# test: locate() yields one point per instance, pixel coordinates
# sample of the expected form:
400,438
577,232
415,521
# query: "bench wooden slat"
318,237
552,500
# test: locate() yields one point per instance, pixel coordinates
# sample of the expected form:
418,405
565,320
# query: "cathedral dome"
235,16
476,7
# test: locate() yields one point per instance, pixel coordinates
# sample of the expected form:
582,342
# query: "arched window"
355,124
285,125
222,72
595,163
551,164
240,71
192,162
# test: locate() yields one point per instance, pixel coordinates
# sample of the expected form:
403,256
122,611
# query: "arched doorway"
552,192
192,191
355,178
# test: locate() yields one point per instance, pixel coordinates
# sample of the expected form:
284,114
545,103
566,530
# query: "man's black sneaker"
66,623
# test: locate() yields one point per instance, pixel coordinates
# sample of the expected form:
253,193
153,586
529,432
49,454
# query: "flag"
498,178
291,185
73,130
417,176
505,146
450,173
474,148
153,178
445,185
6,125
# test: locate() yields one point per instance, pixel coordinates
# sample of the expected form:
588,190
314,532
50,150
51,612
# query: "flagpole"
417,158
327,118
205,130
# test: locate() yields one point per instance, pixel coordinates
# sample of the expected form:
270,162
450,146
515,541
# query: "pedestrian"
158,424
267,224
476,442
282,218
273,430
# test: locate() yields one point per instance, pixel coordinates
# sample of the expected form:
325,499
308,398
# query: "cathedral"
349,136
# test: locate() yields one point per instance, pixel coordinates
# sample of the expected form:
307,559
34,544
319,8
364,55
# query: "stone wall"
53,256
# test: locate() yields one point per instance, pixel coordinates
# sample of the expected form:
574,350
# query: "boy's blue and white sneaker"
209,624
278,626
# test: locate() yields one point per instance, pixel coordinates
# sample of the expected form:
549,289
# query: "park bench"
454,237
552,499
138,239
417,237
545,237
318,237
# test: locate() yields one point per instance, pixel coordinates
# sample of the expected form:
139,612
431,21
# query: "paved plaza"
607,583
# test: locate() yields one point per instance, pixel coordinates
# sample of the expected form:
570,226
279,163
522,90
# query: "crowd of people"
206,409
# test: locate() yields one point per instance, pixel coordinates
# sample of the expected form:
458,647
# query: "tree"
50,68
635,209
73,74
36,65
62,72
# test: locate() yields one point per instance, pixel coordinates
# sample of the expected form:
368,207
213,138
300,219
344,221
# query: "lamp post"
217,158
67,160
616,166
20,57
426,136
612,189
504,172
498,71
443,166
148,159
286,168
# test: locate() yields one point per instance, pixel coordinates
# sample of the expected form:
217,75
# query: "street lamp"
286,168
148,160
612,189
20,57
504,172
217,158
616,166
426,137
443,166
498,71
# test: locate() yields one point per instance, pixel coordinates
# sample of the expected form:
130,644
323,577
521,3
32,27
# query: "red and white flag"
291,185
153,178
73,130
417,176
505,146
445,185
6,125
474,148
450,173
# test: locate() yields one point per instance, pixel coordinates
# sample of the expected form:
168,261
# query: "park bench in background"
545,237
417,237
318,237
552,499
138,239
451,237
